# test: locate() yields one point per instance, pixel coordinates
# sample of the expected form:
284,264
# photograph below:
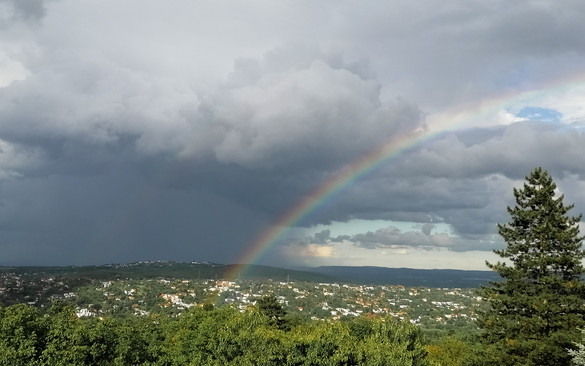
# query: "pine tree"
536,310
269,306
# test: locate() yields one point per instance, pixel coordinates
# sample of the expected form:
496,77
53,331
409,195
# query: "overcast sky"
184,130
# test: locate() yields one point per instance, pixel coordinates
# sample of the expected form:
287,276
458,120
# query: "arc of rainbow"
323,192
443,122
348,175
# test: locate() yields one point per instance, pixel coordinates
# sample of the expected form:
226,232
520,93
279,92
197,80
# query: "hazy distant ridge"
406,276
198,270
169,269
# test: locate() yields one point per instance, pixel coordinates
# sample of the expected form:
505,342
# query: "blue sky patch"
540,114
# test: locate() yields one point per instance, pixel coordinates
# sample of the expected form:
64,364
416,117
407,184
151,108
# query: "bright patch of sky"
540,114
10,70
357,226
347,254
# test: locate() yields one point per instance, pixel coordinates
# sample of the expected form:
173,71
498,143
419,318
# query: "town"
318,301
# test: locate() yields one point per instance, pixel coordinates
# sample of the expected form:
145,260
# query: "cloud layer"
182,131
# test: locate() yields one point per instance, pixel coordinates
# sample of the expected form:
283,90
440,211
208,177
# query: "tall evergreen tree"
269,306
536,309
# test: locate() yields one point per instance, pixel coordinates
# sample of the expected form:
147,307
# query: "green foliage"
538,306
167,269
22,335
139,340
449,351
269,306
223,336
578,354
365,342
65,338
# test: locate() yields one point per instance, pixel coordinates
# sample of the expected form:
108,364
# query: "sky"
285,133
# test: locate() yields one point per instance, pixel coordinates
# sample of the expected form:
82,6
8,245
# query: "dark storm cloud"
96,143
180,131
125,214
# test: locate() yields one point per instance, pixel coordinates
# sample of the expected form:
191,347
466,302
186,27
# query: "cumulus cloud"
300,114
288,117
427,228
464,180
511,151
321,237
393,237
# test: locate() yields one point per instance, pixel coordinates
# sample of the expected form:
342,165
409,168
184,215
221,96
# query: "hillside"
406,276
197,270
166,269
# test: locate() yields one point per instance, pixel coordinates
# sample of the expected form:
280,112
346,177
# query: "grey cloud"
392,236
463,182
521,42
229,121
118,217
321,237
294,56
340,238
395,238
96,105
427,228
15,10
299,114
285,117
466,183
511,151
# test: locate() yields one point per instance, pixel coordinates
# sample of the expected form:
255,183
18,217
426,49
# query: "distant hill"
168,269
205,270
406,276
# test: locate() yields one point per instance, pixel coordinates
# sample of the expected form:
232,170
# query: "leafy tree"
22,334
449,351
64,339
139,340
536,309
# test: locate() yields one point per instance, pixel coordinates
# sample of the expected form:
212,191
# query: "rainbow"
322,193
470,115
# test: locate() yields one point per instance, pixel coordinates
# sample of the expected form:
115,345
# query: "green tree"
269,306
360,341
579,353
536,309
139,340
22,335
64,338
449,351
